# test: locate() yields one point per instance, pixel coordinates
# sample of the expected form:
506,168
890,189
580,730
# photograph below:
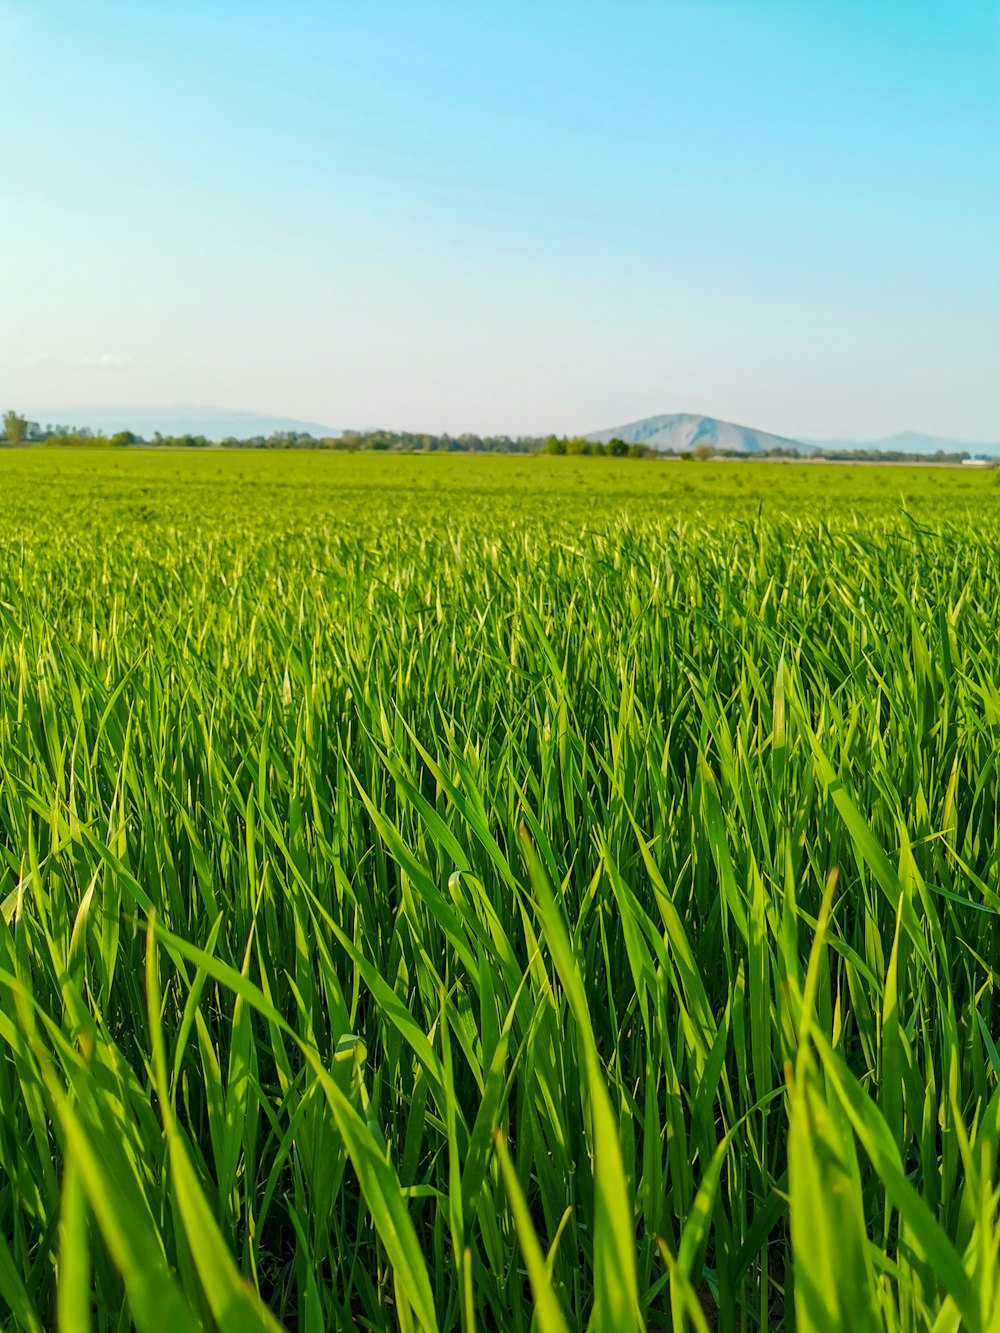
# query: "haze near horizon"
502,220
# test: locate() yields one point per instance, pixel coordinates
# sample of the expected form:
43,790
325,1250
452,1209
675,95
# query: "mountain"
911,442
215,423
678,432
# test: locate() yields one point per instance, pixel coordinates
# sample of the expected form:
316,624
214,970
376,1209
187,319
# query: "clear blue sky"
506,216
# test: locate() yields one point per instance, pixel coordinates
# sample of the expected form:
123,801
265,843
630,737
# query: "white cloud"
106,361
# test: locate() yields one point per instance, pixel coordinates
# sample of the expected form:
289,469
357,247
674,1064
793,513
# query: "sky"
506,217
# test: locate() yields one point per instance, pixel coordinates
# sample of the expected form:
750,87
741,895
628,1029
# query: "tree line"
19,432
580,446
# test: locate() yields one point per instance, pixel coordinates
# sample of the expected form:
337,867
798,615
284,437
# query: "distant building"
979,462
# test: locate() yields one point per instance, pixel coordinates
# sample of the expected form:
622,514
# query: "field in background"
38,488
440,889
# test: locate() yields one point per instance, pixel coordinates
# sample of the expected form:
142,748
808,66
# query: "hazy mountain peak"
215,423
677,432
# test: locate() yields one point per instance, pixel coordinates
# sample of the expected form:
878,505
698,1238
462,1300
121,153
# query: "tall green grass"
557,899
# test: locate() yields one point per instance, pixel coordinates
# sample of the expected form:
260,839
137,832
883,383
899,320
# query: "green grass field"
497,894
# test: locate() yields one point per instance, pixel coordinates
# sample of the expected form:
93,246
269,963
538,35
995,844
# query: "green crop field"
497,894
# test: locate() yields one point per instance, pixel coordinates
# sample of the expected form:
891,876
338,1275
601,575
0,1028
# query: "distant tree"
617,448
14,428
124,438
702,450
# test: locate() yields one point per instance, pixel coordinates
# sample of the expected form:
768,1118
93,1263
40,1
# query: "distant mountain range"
673,433
678,432
911,442
215,423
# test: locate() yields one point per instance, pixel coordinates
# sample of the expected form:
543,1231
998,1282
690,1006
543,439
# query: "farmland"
497,893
